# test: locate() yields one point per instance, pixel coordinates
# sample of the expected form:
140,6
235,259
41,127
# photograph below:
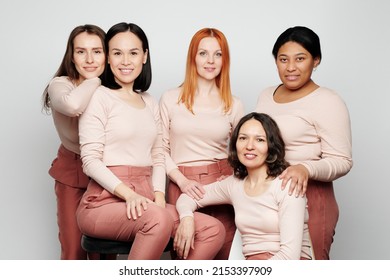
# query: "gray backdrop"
355,45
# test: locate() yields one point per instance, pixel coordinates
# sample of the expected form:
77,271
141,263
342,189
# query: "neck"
205,87
257,177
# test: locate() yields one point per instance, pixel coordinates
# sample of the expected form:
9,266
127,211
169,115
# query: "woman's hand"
299,176
135,205
192,188
184,237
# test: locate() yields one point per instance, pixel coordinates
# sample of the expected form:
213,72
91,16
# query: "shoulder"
149,99
63,80
268,91
171,95
237,101
326,96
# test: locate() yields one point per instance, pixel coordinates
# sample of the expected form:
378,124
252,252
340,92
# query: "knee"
209,228
159,219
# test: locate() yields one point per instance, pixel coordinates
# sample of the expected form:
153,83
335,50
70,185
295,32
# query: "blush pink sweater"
68,102
316,130
273,222
114,133
195,139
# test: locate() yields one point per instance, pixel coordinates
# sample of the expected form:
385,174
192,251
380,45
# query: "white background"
355,45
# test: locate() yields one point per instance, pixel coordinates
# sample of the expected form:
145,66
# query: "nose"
210,59
249,144
126,60
89,57
291,66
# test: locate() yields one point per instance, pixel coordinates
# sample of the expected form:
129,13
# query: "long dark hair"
67,67
276,162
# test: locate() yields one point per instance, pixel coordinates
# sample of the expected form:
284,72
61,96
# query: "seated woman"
272,223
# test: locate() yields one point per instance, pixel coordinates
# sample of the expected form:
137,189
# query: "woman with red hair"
198,118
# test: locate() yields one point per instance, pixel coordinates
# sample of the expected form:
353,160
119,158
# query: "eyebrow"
202,49
133,49
81,48
293,55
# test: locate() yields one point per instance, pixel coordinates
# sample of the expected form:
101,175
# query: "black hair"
143,81
302,35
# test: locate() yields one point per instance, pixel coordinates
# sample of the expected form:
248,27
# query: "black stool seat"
104,246
110,247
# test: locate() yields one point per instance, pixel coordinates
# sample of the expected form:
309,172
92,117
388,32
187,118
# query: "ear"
317,61
145,56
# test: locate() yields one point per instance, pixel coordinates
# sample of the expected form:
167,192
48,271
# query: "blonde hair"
222,80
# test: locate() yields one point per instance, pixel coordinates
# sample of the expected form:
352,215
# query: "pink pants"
208,174
102,214
323,217
70,185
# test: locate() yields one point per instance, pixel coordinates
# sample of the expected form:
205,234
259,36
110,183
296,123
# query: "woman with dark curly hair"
272,224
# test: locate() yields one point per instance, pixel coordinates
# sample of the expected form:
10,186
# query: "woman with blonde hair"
198,118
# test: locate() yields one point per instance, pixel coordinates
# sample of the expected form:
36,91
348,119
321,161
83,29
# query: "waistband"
67,153
125,170
205,169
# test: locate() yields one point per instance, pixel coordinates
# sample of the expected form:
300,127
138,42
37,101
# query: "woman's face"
295,65
208,58
88,56
251,145
126,58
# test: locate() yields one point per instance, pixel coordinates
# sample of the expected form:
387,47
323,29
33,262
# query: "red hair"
222,80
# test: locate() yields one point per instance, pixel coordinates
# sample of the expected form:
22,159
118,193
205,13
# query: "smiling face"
126,58
295,65
208,58
251,145
88,56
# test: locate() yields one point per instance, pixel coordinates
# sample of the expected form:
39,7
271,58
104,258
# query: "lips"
126,71
90,69
250,156
292,77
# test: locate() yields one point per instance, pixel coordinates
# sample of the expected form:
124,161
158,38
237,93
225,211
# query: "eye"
218,54
202,53
116,53
241,138
283,60
260,140
300,58
134,53
79,51
98,51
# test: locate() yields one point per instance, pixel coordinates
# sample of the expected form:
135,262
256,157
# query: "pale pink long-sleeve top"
273,221
316,130
68,102
195,139
114,133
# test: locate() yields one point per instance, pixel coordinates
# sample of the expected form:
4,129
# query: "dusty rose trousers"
103,215
70,185
208,174
323,217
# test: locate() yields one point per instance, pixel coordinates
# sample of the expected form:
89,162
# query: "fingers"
136,206
182,246
195,191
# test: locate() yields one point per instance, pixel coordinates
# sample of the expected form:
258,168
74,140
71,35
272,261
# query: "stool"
109,248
